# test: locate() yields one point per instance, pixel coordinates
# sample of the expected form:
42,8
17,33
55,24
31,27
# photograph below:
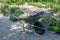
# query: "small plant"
49,21
53,22
57,31
5,10
58,24
16,12
51,28
54,29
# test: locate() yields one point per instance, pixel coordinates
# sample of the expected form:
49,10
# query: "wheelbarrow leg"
23,26
23,32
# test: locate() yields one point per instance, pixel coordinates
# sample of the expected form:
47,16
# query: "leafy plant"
5,10
51,28
53,21
54,29
57,30
16,12
58,24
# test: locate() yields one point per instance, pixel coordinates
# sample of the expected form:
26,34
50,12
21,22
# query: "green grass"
55,7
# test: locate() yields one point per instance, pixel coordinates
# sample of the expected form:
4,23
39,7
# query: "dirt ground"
14,31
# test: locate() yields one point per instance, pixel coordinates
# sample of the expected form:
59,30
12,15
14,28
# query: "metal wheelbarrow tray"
32,19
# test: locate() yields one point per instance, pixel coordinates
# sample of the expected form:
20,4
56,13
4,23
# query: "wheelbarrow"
33,20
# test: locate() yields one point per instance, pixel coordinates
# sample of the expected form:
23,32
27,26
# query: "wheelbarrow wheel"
39,28
40,32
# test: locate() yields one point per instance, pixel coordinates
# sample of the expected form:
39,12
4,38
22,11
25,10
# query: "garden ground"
13,31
